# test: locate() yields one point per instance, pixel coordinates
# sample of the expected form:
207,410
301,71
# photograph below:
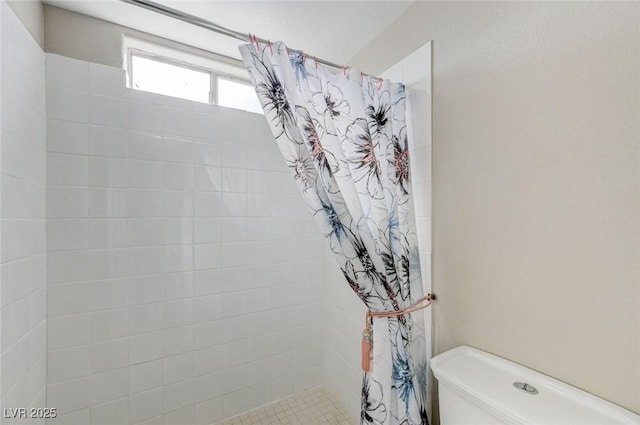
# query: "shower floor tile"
312,407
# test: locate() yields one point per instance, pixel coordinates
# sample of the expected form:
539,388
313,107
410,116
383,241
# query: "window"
171,80
169,72
238,94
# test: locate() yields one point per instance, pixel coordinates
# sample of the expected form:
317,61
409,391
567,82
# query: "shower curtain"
344,138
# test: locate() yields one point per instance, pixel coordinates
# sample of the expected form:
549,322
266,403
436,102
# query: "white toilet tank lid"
488,381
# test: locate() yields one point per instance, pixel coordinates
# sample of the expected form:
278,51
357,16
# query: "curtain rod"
203,23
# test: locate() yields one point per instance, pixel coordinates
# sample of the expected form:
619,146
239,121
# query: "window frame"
213,83
213,73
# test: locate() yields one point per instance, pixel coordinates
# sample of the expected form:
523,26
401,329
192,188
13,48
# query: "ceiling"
332,30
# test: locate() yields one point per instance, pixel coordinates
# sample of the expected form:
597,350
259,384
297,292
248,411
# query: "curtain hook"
287,49
380,81
270,46
361,77
316,61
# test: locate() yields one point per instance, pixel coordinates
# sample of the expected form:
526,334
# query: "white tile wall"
22,219
342,333
416,71
184,277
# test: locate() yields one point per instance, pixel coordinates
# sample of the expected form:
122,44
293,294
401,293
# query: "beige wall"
86,38
90,39
31,14
82,37
536,126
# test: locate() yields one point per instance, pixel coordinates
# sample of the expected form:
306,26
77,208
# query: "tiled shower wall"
183,266
344,313
22,219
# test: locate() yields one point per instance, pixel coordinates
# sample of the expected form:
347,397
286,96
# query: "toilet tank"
477,388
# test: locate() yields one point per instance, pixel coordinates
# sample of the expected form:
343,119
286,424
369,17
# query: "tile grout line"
314,406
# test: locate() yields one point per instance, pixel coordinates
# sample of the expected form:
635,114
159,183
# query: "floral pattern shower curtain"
344,138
